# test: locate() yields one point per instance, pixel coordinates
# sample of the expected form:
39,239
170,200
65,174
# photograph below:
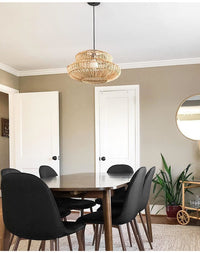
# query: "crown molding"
129,65
161,63
9,69
38,72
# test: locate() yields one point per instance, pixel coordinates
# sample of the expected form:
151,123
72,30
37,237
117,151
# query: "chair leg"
95,234
148,221
129,234
83,238
57,244
29,245
42,246
121,238
69,238
11,240
145,230
91,210
79,235
51,245
98,239
136,236
69,242
16,244
138,233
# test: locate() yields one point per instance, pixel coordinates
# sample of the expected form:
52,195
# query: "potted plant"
171,188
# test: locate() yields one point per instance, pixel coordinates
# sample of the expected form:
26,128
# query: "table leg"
4,233
148,221
107,212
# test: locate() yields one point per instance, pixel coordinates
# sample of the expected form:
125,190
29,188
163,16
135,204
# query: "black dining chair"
117,170
46,171
125,214
120,169
30,211
63,211
145,198
8,171
3,173
117,202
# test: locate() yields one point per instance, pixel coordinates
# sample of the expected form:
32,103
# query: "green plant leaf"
172,189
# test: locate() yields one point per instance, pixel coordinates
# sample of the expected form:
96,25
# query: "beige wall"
12,82
161,91
4,141
9,80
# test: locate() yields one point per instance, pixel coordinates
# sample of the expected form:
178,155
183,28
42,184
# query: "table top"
87,182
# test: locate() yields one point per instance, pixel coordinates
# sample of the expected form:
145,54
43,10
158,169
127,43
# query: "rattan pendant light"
93,66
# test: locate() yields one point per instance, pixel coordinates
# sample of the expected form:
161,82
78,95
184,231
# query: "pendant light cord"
94,46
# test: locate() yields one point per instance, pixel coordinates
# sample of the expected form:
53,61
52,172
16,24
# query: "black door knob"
102,158
54,157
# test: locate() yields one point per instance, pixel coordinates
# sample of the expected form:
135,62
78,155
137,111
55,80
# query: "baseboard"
157,209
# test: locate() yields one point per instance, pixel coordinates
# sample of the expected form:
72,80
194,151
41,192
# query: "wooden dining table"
83,185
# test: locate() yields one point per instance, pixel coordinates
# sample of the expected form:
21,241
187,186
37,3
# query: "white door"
117,126
36,124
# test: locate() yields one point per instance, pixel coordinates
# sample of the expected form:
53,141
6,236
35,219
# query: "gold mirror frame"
182,102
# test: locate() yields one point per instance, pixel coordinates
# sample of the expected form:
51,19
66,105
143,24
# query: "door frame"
10,91
135,88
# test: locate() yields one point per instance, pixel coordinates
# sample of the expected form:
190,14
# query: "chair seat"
63,212
115,201
97,217
76,204
70,227
73,227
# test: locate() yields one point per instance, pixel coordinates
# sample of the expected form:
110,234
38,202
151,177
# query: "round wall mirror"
188,117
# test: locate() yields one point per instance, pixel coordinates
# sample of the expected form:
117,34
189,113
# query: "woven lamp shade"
93,67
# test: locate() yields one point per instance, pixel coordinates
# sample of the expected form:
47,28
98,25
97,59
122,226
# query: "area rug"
165,238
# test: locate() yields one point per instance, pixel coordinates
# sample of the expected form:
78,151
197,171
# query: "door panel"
36,130
118,128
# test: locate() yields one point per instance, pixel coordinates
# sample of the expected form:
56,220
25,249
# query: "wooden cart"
187,213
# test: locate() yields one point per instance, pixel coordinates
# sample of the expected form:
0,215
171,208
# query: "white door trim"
10,92
97,117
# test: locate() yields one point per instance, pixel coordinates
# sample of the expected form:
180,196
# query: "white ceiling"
48,35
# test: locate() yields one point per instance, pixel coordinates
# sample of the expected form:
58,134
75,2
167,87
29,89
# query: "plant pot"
172,211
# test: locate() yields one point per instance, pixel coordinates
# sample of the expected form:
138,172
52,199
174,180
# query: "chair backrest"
146,188
46,171
132,198
8,171
29,208
120,169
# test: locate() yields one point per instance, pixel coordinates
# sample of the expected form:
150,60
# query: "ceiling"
48,35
